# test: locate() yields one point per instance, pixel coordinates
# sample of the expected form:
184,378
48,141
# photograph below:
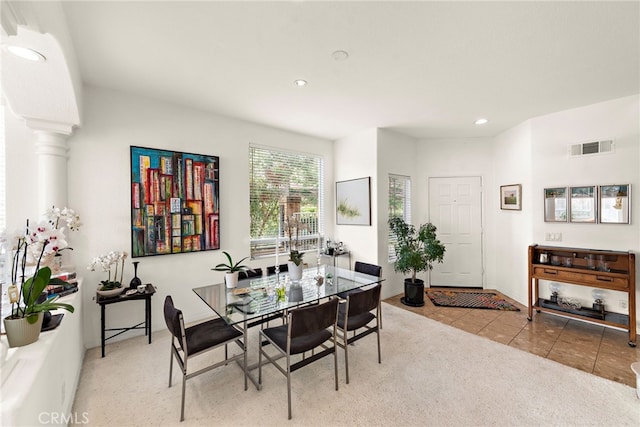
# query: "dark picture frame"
353,202
175,202
511,197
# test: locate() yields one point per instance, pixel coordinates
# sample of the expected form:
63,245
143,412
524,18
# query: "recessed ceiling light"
481,121
340,55
300,82
26,53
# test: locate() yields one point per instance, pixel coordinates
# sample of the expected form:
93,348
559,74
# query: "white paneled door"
455,208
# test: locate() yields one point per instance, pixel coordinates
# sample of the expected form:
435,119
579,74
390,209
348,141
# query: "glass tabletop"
254,298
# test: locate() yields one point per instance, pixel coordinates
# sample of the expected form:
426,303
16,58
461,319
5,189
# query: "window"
284,185
399,205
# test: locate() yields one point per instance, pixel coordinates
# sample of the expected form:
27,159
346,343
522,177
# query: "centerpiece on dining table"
293,227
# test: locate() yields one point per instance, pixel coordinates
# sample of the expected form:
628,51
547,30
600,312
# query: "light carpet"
431,374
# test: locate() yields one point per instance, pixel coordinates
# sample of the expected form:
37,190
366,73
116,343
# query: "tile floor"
593,348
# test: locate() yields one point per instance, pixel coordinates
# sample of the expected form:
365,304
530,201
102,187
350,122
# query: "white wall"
552,167
456,158
355,157
99,181
396,155
511,230
21,172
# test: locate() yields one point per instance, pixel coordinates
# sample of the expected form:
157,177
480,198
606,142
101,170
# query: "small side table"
104,301
337,254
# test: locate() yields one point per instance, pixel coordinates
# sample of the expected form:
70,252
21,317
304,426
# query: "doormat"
486,300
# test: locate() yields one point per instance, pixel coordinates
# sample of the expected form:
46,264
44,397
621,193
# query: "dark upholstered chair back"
254,272
272,269
173,319
362,302
371,269
308,320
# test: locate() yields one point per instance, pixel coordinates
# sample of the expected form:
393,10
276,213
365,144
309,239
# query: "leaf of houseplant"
34,286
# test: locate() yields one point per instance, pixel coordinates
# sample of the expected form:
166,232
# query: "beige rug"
431,374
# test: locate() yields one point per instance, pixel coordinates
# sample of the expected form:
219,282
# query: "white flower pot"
231,279
20,332
295,271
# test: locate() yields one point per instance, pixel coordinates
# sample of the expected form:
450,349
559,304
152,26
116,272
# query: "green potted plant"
293,227
416,250
231,269
32,252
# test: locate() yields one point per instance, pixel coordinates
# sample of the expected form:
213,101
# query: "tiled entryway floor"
593,348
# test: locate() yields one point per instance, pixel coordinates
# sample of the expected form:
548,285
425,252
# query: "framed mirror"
555,204
583,204
615,201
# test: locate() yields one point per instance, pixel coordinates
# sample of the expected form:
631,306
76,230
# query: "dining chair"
272,269
307,328
198,339
254,272
370,269
356,314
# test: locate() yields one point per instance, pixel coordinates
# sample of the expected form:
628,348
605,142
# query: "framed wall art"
175,202
555,204
615,202
511,197
583,204
353,202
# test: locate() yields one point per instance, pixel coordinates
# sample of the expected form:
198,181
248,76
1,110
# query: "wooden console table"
602,269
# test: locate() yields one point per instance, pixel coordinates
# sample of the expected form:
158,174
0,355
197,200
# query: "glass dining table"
257,300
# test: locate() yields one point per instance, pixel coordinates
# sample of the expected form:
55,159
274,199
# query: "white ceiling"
426,69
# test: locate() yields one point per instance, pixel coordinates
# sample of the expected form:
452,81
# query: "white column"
52,155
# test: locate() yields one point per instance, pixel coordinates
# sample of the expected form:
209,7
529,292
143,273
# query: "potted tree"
416,250
231,270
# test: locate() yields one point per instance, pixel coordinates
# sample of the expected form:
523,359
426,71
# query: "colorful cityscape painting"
175,202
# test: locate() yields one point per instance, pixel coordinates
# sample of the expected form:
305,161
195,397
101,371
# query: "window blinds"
284,183
399,205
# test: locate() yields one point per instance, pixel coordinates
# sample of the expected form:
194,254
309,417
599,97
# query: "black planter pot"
413,293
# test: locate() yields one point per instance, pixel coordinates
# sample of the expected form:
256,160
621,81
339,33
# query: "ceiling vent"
591,148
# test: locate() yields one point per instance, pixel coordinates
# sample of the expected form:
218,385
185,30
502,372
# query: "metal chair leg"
259,359
170,365
335,359
289,383
346,355
379,354
184,383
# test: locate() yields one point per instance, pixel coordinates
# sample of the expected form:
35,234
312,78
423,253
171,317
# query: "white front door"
455,208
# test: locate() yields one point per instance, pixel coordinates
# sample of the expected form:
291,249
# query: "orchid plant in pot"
294,227
112,286
231,269
32,253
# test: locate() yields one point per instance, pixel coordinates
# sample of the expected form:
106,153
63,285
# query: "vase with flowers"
113,285
32,252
